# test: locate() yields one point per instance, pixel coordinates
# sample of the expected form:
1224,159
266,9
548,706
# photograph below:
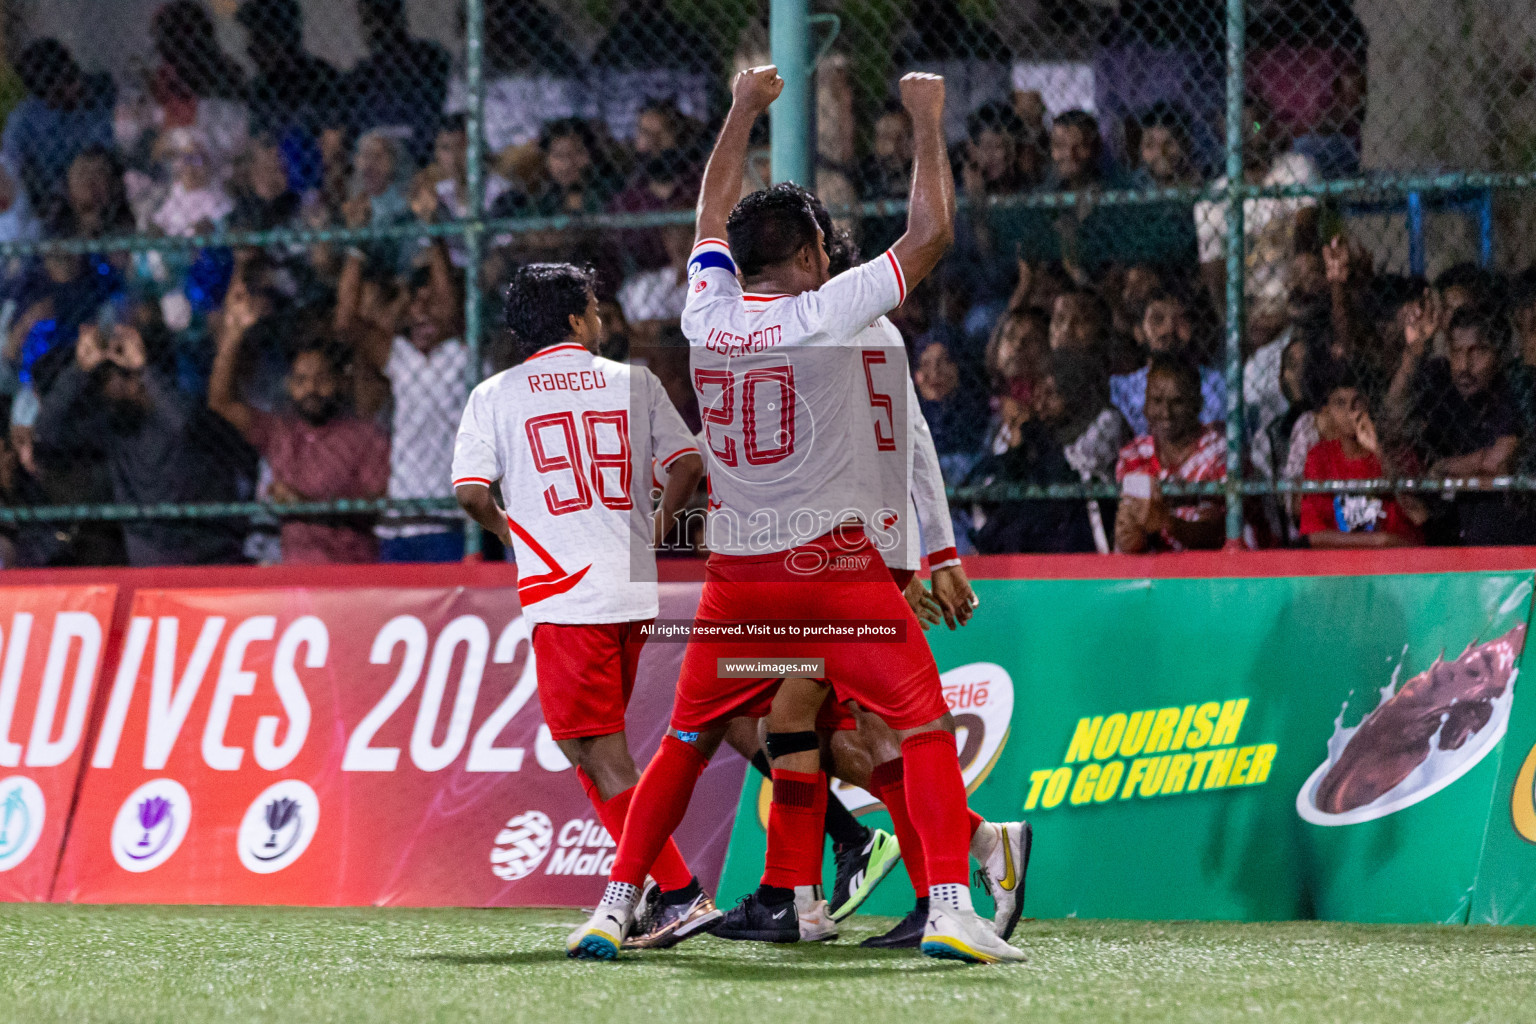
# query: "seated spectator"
1354,452
1166,157
65,111
532,75
1165,329
294,94
957,416
1017,353
1522,372
574,182
1273,229
24,545
1080,320
264,199
664,179
401,83
1069,434
94,203
316,452
450,169
649,54
381,179
421,356
160,446
55,296
1460,411
1176,448
197,202
886,173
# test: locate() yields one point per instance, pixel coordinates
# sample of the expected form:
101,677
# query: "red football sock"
886,783
795,832
670,870
936,802
659,802
976,820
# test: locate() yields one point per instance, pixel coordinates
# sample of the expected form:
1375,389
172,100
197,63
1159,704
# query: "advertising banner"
1259,748
51,645
349,746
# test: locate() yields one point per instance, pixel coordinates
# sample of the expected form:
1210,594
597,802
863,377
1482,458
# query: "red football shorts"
837,578
586,673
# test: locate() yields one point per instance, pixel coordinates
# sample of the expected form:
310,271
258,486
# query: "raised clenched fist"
756,88
923,96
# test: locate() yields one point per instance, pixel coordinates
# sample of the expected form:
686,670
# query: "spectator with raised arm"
318,451
415,345
160,445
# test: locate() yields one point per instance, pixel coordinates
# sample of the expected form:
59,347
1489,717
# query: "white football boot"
961,935
602,936
1002,850
816,924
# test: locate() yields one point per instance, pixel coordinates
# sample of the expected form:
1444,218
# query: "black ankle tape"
782,744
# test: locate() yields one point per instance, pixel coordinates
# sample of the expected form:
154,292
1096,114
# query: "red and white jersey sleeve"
784,401
571,438
908,513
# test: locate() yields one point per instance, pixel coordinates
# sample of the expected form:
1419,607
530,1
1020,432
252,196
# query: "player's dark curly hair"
541,299
769,226
842,250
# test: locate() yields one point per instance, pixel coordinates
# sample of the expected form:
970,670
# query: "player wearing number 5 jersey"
777,369
571,438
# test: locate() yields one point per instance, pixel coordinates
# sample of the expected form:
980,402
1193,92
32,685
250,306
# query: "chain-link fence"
253,251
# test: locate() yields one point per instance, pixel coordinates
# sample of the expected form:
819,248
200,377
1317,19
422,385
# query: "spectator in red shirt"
318,452
1353,452
1177,447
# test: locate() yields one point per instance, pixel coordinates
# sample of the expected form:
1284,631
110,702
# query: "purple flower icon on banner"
280,813
154,816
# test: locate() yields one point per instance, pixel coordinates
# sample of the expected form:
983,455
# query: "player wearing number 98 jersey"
571,438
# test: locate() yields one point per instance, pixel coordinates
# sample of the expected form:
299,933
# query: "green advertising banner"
1252,749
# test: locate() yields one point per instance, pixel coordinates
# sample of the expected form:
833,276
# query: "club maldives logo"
278,827
1418,739
150,825
522,845
21,819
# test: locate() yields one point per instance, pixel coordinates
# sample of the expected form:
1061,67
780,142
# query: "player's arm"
752,91
476,466
480,505
931,206
683,476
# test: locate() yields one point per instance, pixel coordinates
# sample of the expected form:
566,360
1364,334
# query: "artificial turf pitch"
293,966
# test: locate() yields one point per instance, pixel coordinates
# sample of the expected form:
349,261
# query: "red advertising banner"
350,746
51,644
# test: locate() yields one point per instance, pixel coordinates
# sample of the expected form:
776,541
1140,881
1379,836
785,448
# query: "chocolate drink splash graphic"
1438,709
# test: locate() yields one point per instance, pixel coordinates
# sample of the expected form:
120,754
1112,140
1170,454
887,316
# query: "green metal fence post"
474,229
789,39
1237,131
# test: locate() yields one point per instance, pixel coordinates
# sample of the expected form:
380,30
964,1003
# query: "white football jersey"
572,437
907,514
782,395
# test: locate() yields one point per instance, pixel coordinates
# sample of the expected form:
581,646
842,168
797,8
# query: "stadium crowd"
1073,344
